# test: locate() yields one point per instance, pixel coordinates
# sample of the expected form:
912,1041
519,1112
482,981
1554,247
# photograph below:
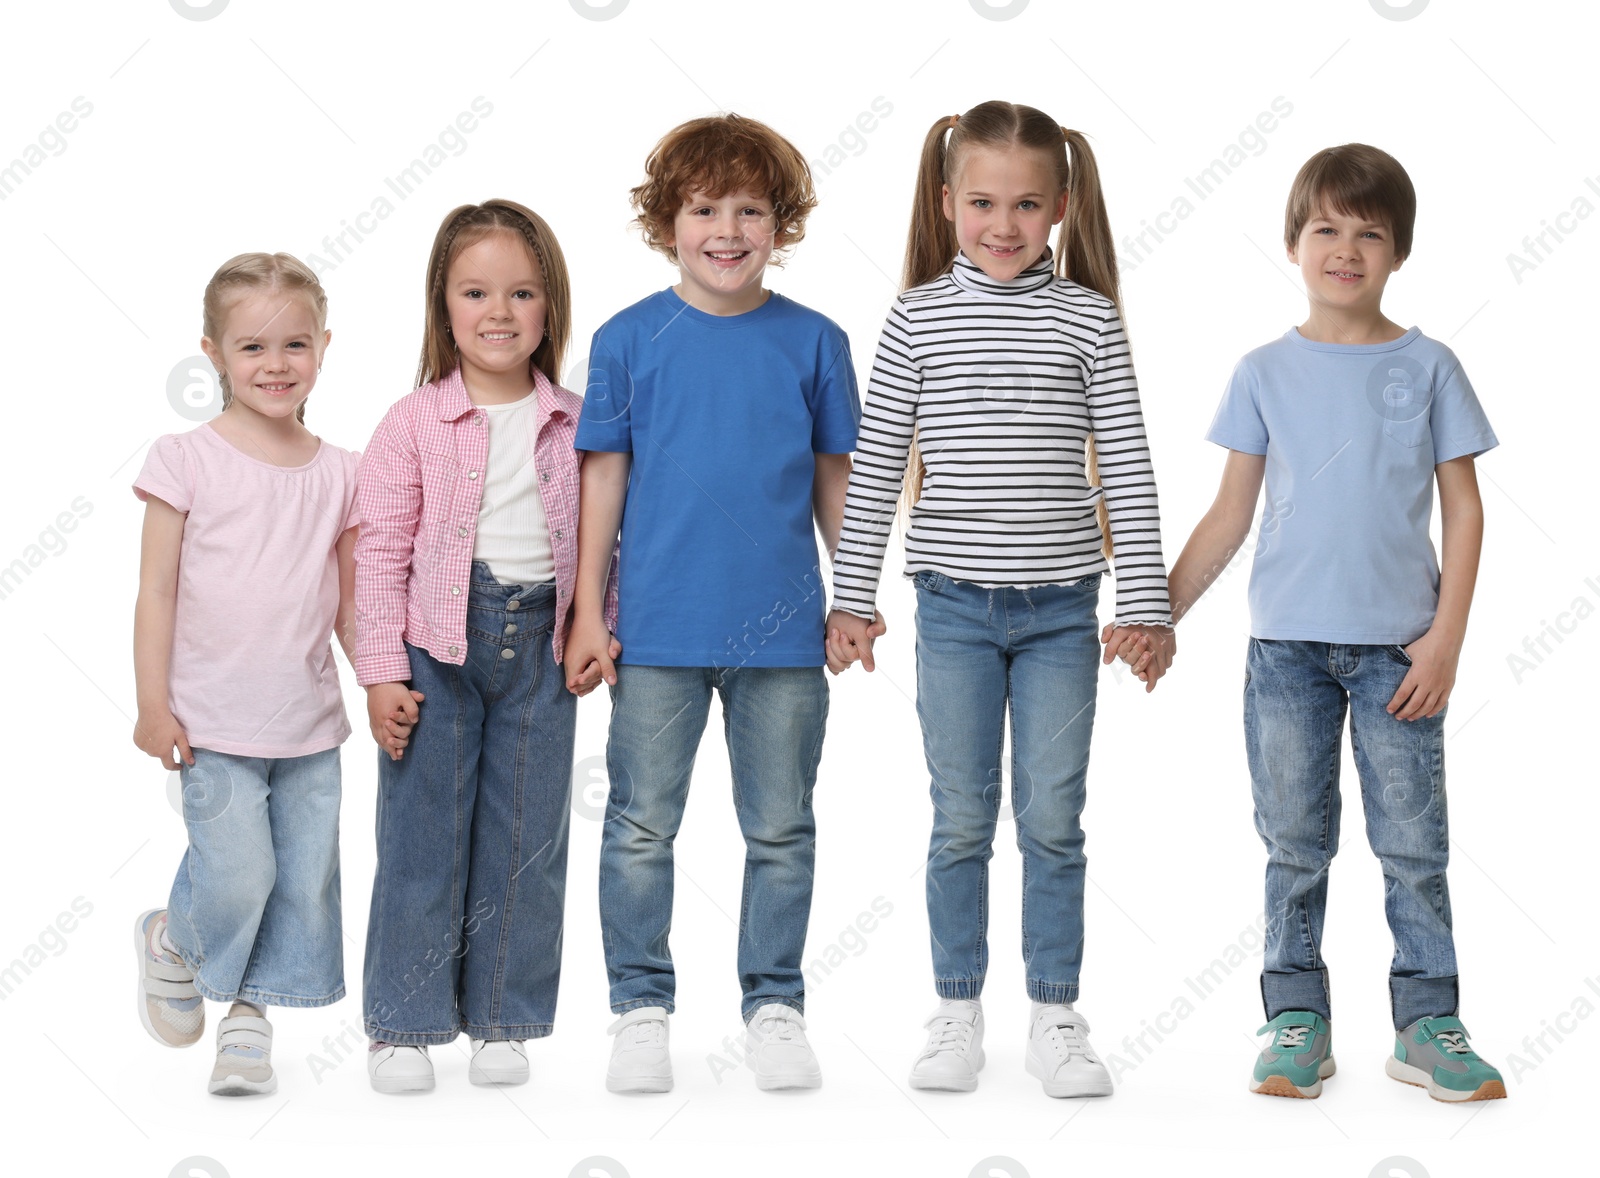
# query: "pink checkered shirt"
419,487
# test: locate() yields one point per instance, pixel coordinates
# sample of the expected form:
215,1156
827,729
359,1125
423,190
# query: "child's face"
1004,204
495,293
1345,261
270,348
724,244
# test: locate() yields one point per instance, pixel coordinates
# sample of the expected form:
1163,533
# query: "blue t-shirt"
1352,433
723,415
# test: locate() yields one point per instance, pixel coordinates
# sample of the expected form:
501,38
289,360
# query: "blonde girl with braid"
1002,371
463,587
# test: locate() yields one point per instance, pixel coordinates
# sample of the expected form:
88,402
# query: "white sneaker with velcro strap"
169,1006
244,1058
953,1056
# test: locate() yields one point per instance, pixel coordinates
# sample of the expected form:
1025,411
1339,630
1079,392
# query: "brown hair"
466,226
718,155
1085,252
1358,181
246,273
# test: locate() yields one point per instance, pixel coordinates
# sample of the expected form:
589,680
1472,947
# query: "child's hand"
158,733
1148,649
1426,688
850,639
589,678
392,710
590,655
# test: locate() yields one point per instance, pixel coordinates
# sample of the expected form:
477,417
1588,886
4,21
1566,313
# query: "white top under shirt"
513,536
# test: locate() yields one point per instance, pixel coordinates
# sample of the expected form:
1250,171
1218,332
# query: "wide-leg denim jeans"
465,934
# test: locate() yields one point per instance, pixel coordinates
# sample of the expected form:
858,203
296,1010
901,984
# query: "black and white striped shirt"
1003,383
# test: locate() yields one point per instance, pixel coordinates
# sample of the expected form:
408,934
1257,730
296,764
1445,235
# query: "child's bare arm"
1220,532
603,489
157,731
827,497
1426,688
344,621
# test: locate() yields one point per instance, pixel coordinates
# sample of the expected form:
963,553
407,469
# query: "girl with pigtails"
1002,372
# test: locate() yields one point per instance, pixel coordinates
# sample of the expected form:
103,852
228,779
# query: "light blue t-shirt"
1352,433
723,416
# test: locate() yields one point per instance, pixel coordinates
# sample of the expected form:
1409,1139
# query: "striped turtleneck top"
1003,382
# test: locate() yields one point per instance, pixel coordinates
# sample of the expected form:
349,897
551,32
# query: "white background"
266,127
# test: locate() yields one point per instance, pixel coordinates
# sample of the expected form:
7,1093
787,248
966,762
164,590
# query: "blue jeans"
467,906
1295,698
773,720
979,650
255,905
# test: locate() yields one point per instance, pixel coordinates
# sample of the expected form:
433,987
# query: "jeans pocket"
1398,654
933,582
1089,584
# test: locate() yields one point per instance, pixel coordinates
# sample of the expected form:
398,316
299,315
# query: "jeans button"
508,653
511,628
513,604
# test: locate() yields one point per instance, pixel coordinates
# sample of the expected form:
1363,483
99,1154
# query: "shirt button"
558,533
455,650
508,653
461,531
511,628
455,590
472,474
513,604
545,477
478,417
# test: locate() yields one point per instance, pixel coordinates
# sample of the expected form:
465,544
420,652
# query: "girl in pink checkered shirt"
464,572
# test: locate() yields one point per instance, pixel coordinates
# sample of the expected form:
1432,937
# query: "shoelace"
1454,1042
949,1034
1292,1038
1068,1040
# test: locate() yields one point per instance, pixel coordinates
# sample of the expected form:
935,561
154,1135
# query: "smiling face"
270,348
1004,204
495,295
724,244
1345,260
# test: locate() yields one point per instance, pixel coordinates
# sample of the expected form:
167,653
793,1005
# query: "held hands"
1148,650
158,733
591,655
850,639
1426,688
391,714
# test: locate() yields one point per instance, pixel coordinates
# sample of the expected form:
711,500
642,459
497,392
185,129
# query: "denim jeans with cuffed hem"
254,909
1295,699
465,934
773,721
980,651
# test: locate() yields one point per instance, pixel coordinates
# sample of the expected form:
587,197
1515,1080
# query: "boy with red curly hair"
719,419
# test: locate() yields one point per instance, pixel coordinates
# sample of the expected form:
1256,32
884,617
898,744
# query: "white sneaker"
779,1053
640,1059
954,1053
498,1061
1059,1053
395,1068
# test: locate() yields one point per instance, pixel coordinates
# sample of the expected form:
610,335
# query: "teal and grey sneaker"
1433,1053
1299,1057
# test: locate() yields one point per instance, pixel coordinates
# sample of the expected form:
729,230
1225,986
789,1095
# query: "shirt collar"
970,276
455,404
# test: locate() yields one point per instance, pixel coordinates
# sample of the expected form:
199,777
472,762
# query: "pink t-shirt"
258,591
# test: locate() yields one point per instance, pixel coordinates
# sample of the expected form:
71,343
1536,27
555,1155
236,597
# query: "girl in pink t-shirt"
246,569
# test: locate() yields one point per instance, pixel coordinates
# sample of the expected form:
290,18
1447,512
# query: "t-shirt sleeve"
1238,424
168,474
1458,421
835,402
606,421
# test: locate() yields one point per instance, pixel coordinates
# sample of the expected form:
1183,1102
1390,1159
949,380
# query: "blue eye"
1027,204
981,203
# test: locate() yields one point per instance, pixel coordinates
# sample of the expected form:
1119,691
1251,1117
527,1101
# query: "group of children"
469,564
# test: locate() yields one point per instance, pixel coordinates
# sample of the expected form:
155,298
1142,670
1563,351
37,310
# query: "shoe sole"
144,1006
1283,1086
781,1082
239,1086
400,1085
1406,1074
950,1083
1065,1088
638,1083
497,1078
